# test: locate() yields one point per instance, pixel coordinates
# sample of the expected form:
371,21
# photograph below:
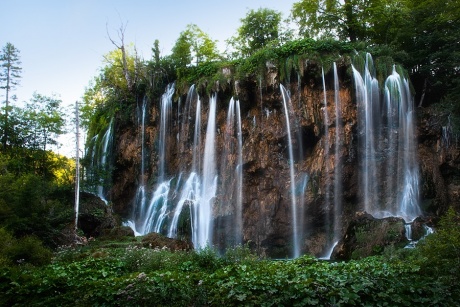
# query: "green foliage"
193,47
34,202
140,276
10,73
375,21
26,250
439,253
260,28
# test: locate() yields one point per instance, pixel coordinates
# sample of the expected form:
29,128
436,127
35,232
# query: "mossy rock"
367,236
156,240
117,233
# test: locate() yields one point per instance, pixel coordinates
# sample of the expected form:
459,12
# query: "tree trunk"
350,21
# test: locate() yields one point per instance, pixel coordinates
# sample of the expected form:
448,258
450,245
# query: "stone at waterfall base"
367,236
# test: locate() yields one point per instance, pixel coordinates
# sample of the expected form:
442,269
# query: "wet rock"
368,236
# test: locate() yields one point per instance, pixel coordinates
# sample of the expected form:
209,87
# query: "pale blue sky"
62,42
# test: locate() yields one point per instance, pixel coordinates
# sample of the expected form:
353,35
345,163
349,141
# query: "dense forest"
45,259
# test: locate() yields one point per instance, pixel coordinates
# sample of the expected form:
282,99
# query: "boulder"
367,236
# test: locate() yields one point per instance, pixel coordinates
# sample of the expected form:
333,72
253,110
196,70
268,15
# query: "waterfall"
139,203
204,182
337,161
231,170
188,196
327,197
103,160
149,216
202,210
387,142
333,218
165,122
295,236
397,93
239,179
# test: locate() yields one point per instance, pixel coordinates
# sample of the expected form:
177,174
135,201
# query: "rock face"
94,215
367,236
266,205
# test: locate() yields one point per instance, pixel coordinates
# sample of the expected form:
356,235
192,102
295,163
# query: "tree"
364,20
193,45
131,65
258,29
9,78
430,35
44,122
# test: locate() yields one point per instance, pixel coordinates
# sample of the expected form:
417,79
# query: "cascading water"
202,210
206,186
334,218
231,170
106,139
327,197
150,215
388,145
337,161
295,230
140,194
400,105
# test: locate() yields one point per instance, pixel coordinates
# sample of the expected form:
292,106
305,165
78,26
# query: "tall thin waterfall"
337,161
196,163
106,139
367,96
239,180
295,235
141,196
388,154
202,210
231,174
165,122
327,196
333,219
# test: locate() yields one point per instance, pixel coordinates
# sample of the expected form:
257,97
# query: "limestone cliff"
266,201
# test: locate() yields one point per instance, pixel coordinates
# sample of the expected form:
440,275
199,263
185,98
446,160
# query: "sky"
62,42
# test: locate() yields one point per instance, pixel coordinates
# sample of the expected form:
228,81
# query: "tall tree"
193,45
258,29
44,121
9,78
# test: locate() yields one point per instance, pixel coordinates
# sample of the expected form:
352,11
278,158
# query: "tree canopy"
258,29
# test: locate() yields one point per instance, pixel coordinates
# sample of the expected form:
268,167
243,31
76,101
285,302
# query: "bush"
28,250
439,253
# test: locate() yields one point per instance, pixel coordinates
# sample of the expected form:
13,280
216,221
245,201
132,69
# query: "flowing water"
208,189
387,142
295,231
